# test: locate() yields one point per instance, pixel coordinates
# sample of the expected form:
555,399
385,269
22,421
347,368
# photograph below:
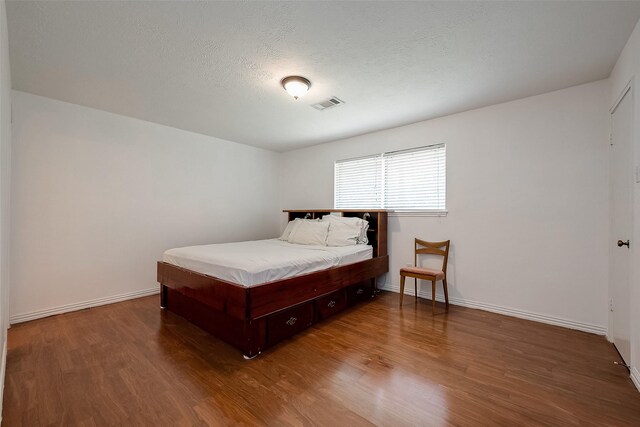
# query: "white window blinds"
358,183
415,179
408,180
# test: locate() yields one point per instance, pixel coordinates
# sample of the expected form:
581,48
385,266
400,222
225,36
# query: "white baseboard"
635,377
551,320
25,317
2,371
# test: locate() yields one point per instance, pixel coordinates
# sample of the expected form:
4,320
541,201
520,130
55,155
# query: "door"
621,223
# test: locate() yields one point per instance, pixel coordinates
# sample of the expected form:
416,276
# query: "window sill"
418,213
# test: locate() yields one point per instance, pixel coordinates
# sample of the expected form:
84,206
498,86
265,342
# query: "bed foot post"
374,283
163,297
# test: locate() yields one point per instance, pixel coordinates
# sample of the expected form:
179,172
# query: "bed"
252,296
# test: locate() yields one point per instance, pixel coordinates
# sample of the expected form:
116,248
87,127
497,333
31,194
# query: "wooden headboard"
377,219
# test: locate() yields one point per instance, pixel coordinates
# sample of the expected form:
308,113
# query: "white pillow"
287,231
296,224
364,240
310,233
343,233
359,222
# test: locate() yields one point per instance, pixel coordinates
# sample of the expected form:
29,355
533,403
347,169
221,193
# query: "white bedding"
262,261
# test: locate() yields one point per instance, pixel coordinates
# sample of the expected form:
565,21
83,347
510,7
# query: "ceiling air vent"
329,103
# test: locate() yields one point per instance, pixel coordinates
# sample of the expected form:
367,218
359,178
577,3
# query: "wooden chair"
432,275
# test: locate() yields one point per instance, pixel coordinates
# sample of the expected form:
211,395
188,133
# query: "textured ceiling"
215,67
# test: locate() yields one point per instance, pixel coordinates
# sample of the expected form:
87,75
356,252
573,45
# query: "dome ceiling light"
296,86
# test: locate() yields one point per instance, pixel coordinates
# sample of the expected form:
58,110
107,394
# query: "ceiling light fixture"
296,86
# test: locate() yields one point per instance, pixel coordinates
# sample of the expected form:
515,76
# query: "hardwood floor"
132,364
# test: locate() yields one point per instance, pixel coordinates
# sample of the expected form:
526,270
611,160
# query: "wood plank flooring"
132,364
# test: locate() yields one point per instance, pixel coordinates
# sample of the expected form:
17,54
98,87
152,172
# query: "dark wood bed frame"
255,318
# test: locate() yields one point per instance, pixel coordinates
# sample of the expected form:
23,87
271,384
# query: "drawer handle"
331,304
292,321
360,291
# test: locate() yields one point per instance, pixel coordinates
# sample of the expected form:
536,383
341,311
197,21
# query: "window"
407,180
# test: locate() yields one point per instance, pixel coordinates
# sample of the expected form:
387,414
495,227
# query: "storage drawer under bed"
331,304
289,322
359,292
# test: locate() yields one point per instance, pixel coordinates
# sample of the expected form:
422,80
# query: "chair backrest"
432,248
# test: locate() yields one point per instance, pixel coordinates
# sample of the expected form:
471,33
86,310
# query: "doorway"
621,180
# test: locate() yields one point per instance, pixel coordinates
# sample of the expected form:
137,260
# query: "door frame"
629,88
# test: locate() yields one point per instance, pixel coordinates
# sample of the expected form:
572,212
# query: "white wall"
5,174
527,189
628,67
98,197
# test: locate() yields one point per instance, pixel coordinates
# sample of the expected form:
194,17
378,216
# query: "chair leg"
415,284
433,296
401,288
446,291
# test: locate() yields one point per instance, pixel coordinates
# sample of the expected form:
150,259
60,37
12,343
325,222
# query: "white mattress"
262,261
